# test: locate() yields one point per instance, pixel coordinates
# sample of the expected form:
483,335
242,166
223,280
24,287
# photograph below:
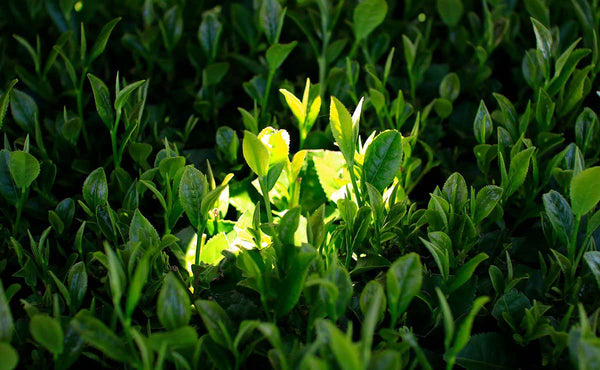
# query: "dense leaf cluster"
306,184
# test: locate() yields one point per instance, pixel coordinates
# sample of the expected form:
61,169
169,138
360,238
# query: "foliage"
421,193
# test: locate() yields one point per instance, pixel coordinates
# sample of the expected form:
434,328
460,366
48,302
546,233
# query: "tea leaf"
271,15
141,230
278,53
47,331
560,215
6,319
24,110
10,357
367,16
487,199
24,168
383,159
193,187
173,306
102,99
343,349
342,128
136,285
450,86
543,38
102,39
450,11
78,283
98,335
404,279
216,321
585,191
256,154
482,125
5,99
95,188
592,258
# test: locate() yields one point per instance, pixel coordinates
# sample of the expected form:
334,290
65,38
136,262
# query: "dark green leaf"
383,159
209,32
102,39
344,350
404,279
78,283
487,351
116,274
136,285
192,189
10,357
482,125
464,273
141,230
125,93
5,99
450,11
592,259
367,16
543,38
6,319
95,188
485,202
102,99
24,168
98,335
184,337
217,322
450,86
24,110
173,306
560,215
519,165
278,53
270,17
47,332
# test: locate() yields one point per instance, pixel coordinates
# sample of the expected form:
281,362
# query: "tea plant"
298,185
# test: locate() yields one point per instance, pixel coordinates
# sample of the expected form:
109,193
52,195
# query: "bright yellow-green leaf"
298,110
342,128
256,154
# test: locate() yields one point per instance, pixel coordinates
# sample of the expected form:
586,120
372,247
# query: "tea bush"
299,184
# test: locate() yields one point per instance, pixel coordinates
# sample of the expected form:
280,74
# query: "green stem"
349,250
20,204
450,363
113,141
79,98
366,53
412,85
295,198
86,138
266,95
126,322
354,49
322,59
199,242
354,184
393,321
302,138
265,191
573,242
169,205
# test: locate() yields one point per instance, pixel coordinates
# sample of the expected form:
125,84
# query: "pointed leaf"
383,159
